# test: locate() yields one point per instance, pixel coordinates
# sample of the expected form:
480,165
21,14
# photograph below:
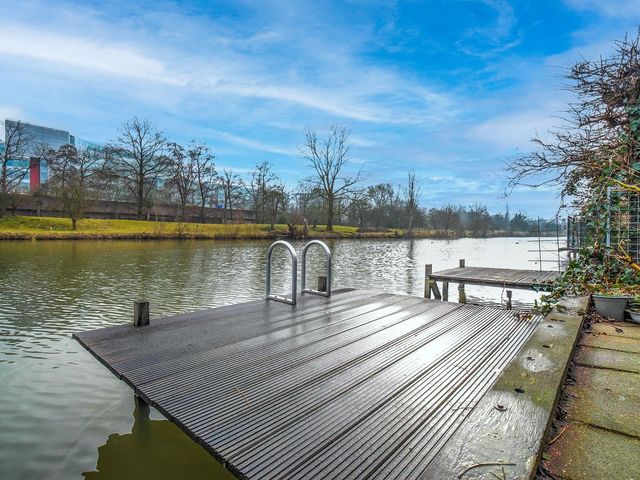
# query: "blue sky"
451,89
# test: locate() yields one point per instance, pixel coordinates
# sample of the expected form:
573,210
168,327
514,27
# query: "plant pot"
611,306
635,315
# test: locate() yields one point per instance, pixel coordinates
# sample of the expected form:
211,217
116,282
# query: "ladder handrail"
294,273
327,254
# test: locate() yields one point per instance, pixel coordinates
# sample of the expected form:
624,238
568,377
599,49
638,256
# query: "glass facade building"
54,138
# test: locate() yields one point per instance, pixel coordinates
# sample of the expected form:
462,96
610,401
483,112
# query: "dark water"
64,416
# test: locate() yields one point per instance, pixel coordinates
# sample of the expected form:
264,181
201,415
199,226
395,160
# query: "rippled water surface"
63,415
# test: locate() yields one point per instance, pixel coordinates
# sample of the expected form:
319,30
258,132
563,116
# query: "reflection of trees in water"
155,449
410,267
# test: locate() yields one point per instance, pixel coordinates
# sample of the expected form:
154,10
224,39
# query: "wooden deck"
358,385
497,277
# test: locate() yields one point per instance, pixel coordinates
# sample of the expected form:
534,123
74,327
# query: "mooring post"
141,419
509,305
435,290
462,296
428,269
322,283
445,291
140,313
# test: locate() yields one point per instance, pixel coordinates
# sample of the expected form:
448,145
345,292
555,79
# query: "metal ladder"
294,271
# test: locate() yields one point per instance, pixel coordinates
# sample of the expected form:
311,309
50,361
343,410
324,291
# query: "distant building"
52,137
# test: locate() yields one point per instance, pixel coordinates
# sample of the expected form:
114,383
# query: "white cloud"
608,8
489,40
112,59
360,93
513,131
252,144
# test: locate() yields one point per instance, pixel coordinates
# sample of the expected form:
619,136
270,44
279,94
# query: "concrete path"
598,436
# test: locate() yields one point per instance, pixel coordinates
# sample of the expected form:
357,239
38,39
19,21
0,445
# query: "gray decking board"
502,277
359,385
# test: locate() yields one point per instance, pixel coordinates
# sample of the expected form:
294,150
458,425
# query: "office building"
39,135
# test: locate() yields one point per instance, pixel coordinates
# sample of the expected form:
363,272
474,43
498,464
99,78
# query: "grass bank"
56,228
53,228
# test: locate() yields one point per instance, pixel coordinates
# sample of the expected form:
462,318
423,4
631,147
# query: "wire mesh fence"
621,229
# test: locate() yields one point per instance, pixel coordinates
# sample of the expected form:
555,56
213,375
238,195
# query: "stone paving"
597,434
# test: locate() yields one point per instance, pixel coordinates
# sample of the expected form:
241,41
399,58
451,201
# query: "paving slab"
629,329
605,398
587,453
600,438
604,358
612,342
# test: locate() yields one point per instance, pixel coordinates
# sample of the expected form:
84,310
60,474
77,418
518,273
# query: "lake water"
63,415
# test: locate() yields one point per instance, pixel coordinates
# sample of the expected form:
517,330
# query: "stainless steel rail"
327,254
294,273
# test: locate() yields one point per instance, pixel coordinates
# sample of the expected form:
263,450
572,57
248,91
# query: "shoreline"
55,228
18,236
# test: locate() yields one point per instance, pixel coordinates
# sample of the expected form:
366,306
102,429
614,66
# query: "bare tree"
599,142
478,220
360,209
205,173
182,174
232,187
71,172
139,159
275,201
446,218
412,194
14,162
260,179
382,197
329,156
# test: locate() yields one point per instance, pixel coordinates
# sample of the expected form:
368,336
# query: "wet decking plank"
359,385
502,277
504,435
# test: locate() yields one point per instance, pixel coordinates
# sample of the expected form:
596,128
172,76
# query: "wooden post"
428,269
462,296
141,420
140,313
435,290
445,291
322,283
509,305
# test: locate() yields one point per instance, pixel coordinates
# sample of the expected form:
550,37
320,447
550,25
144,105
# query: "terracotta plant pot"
611,306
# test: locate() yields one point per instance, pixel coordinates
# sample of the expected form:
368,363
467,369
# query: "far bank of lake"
56,228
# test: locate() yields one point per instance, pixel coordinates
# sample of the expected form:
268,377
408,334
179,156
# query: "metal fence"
622,228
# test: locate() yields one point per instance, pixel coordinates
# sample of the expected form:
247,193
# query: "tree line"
142,166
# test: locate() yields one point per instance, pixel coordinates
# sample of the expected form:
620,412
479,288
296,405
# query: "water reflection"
154,449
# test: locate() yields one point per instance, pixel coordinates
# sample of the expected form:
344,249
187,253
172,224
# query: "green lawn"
29,228
54,227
